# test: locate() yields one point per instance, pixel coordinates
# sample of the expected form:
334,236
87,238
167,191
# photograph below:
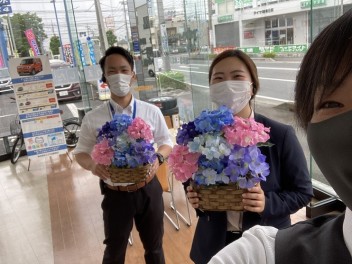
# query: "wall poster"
37,106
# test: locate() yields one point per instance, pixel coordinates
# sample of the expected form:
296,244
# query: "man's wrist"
160,158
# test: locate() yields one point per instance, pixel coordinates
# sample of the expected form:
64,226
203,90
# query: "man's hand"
254,199
100,170
193,197
153,168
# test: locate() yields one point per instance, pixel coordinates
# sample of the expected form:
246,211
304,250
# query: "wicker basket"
220,197
127,175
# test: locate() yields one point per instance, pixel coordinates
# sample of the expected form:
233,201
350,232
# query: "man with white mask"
234,82
125,203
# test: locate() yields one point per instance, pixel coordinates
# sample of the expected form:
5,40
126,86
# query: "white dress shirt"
257,245
96,118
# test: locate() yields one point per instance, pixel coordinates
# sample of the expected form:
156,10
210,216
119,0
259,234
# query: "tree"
20,23
112,39
55,44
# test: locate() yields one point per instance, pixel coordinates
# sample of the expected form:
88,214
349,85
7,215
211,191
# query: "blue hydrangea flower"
213,121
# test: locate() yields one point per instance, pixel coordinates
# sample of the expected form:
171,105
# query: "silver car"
5,81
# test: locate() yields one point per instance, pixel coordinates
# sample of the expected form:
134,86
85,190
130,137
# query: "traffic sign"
4,2
5,10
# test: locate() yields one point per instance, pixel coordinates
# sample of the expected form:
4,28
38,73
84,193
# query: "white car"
5,81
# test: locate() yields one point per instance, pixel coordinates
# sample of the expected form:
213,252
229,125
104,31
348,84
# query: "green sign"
277,49
306,4
219,1
243,3
227,18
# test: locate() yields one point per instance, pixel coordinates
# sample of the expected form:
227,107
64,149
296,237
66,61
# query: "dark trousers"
232,236
146,207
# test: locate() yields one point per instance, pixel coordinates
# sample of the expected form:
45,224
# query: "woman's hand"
193,197
254,199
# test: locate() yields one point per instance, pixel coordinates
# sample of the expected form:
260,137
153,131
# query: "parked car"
69,91
30,66
5,81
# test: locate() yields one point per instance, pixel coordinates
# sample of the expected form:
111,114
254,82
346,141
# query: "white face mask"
119,84
233,94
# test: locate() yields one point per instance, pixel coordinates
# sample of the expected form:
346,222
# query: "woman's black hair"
324,67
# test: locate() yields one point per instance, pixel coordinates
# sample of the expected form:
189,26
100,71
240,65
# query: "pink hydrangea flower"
183,163
246,132
102,153
139,129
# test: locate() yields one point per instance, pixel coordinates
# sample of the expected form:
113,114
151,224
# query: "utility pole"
210,26
58,28
101,27
69,33
127,34
12,37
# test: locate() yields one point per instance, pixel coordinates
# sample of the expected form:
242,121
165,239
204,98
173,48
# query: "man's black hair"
116,50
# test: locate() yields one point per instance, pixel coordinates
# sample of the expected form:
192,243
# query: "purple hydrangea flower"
186,133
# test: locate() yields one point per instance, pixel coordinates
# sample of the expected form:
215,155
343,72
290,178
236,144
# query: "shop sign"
277,49
243,3
226,18
307,4
264,11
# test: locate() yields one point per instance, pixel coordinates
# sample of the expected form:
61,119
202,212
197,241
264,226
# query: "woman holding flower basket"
281,184
116,144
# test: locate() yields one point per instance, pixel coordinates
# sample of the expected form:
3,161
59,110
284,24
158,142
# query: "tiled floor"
51,214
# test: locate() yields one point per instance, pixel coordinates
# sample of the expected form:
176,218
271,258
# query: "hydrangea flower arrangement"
218,148
124,143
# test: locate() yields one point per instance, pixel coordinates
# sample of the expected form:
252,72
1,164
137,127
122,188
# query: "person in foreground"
122,204
234,82
324,109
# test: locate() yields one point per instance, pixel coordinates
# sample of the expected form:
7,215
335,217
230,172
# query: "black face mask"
330,142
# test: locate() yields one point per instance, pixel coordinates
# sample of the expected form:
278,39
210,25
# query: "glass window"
290,36
268,37
275,37
267,24
274,23
289,21
283,37
282,22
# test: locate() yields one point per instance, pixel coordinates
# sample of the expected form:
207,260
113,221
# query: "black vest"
319,240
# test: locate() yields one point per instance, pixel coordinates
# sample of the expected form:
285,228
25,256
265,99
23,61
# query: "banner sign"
68,54
91,50
37,106
81,53
164,39
32,42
